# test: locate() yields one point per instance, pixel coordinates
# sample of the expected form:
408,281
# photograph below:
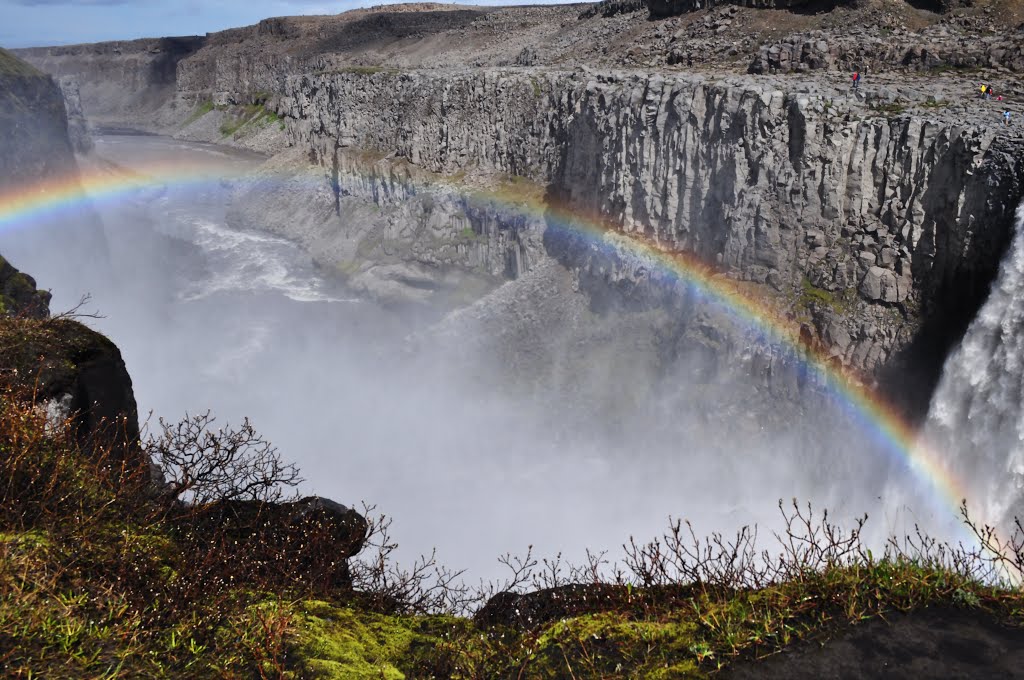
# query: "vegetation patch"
204,108
933,103
10,65
104,575
890,109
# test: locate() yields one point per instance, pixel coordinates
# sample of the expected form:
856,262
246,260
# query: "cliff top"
12,66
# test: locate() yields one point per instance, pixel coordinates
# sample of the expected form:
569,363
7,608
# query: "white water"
976,420
242,323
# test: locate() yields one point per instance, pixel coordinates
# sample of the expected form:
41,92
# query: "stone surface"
18,294
78,126
314,535
761,182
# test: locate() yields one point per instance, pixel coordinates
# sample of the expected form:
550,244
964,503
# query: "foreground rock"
940,642
312,536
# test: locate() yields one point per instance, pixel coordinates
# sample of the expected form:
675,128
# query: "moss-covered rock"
343,643
18,294
69,363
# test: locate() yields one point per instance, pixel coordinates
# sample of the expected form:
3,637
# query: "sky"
27,23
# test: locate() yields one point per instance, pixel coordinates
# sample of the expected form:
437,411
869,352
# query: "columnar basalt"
862,222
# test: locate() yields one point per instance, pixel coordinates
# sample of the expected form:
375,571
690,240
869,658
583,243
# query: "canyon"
492,263
873,220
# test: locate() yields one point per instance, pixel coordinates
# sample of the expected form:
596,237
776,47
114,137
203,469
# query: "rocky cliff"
874,220
863,222
123,84
35,141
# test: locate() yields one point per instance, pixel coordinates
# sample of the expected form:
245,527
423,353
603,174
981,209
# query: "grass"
890,109
97,581
933,103
204,108
10,65
251,115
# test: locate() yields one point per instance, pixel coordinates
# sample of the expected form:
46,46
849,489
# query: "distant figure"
981,91
1006,117
989,92
856,79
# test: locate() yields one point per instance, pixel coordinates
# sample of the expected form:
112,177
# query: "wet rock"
530,610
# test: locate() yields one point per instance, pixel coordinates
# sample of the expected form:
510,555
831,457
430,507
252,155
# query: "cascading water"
976,421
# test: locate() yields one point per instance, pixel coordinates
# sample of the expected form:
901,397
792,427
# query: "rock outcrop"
667,8
123,84
18,294
35,142
78,126
313,535
865,222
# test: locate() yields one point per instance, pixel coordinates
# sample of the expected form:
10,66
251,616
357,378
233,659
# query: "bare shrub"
426,587
204,465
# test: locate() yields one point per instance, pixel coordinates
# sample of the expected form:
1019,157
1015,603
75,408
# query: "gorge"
473,263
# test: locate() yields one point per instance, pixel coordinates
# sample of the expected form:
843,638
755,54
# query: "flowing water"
976,419
243,324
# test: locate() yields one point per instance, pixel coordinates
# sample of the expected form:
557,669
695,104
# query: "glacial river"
243,324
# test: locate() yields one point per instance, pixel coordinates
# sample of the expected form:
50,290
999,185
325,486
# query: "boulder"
18,294
530,610
310,539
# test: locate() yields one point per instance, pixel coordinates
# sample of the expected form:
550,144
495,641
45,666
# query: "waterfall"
976,419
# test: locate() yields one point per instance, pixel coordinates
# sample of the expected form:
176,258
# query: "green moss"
10,65
536,87
890,109
343,643
933,103
811,295
204,108
612,645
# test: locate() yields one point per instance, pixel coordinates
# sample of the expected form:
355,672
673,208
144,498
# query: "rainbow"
25,205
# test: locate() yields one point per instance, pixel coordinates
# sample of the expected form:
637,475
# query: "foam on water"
977,412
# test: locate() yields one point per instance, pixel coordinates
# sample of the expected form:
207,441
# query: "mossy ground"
94,585
10,65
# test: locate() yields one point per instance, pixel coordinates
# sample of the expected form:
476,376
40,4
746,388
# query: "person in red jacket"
856,79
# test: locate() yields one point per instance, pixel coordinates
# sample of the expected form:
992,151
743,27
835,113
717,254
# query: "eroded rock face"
667,8
35,141
123,83
889,218
18,293
392,234
78,127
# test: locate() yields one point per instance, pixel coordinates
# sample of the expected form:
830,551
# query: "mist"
570,433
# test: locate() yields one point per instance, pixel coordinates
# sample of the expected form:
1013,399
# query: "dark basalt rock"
312,536
18,294
668,8
529,610
941,642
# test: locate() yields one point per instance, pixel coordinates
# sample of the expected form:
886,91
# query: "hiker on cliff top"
1006,117
856,80
983,90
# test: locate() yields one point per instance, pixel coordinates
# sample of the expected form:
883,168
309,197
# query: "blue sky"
25,23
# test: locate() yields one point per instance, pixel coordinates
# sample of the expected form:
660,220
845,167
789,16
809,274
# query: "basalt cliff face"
863,227
431,154
74,369
123,84
35,143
